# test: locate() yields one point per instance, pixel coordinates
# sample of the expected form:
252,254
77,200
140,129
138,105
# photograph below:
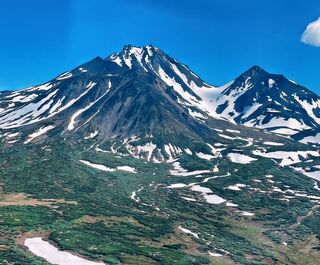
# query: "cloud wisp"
311,35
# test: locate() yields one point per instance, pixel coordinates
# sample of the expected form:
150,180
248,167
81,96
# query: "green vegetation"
107,224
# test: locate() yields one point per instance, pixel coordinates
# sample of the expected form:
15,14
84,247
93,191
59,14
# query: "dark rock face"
120,96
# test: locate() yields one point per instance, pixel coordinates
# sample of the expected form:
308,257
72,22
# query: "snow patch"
240,158
64,76
39,132
205,156
236,187
287,157
127,169
97,166
51,254
272,143
187,231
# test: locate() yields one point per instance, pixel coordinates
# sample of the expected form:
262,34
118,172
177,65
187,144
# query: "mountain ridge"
255,98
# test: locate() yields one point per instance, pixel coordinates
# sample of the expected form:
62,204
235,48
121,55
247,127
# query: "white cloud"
311,35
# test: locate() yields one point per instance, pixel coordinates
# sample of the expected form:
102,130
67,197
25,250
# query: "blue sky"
218,39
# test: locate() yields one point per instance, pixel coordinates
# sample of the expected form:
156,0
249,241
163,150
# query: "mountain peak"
133,47
134,50
258,74
254,70
135,56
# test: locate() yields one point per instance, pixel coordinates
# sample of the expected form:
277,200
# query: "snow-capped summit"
132,56
191,91
270,101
